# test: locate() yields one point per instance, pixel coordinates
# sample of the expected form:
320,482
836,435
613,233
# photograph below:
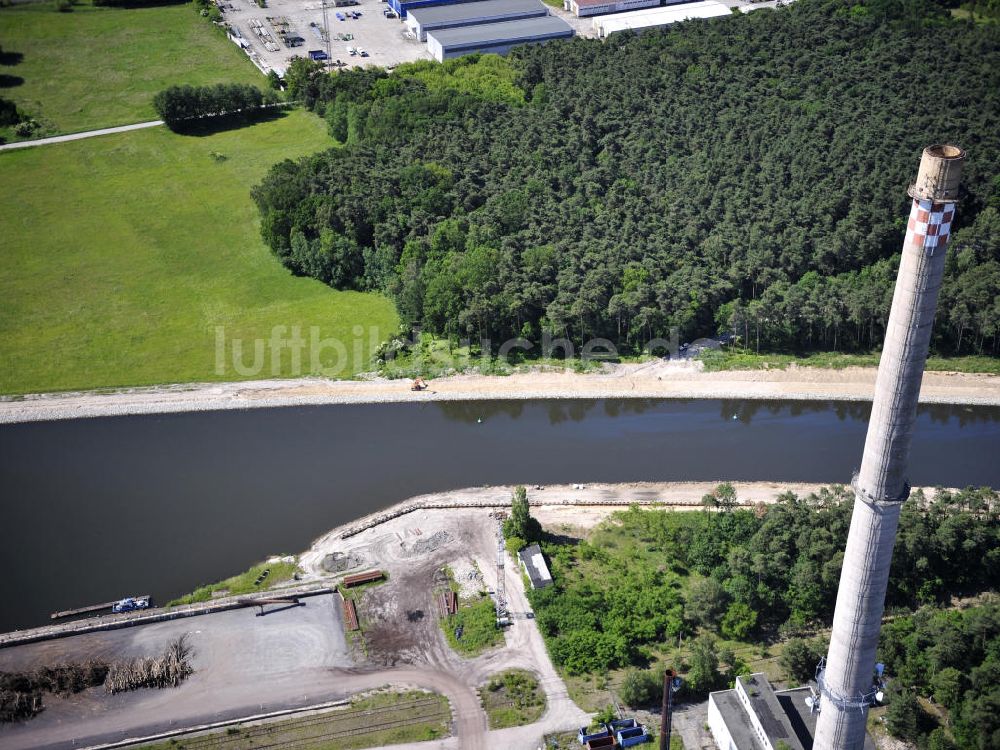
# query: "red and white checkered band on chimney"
929,227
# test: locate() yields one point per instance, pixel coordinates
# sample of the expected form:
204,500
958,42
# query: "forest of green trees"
744,173
951,658
625,595
745,574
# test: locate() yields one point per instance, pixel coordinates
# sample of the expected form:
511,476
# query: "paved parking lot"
386,40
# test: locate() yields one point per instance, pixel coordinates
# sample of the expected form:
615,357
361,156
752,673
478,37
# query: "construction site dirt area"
243,664
246,665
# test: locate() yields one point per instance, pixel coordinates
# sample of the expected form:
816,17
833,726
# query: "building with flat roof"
755,716
422,20
598,7
495,37
534,565
653,17
403,7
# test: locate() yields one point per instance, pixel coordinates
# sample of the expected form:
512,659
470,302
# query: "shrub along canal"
96,509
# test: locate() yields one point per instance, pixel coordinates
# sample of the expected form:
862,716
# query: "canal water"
98,508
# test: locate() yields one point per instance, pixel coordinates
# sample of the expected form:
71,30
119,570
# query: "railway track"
322,727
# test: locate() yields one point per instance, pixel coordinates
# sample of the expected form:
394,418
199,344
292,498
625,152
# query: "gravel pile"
428,545
338,562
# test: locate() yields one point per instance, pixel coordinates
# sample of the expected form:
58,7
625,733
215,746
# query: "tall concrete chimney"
880,487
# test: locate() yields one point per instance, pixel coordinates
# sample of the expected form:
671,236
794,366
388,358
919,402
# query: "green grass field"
99,67
477,620
736,360
122,254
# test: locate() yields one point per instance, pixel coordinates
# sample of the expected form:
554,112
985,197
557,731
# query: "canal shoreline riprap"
651,380
579,506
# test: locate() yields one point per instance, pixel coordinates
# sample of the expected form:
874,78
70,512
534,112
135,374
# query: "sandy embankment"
563,506
650,380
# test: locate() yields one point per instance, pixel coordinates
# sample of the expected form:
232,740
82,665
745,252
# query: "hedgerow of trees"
744,174
182,106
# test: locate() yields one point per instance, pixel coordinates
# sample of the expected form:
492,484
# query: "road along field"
98,67
123,255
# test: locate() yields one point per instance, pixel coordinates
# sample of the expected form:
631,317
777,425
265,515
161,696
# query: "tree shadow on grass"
9,82
141,3
213,125
10,58
561,539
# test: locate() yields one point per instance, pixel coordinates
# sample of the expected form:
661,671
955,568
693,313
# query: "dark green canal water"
98,508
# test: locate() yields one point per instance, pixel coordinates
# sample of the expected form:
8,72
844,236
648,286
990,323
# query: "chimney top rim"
945,151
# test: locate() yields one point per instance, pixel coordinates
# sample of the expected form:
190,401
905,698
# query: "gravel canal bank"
657,379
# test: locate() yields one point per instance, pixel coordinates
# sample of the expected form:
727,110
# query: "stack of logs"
166,670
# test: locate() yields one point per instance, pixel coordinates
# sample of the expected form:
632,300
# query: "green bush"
26,127
641,688
738,622
800,657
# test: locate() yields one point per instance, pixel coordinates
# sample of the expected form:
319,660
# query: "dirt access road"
657,379
400,617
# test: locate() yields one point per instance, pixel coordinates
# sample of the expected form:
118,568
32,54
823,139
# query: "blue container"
623,724
636,740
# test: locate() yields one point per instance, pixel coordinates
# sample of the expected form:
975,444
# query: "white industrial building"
597,7
495,37
755,716
422,20
534,566
751,717
653,17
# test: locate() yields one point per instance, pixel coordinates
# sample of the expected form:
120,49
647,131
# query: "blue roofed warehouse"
495,37
402,7
422,20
